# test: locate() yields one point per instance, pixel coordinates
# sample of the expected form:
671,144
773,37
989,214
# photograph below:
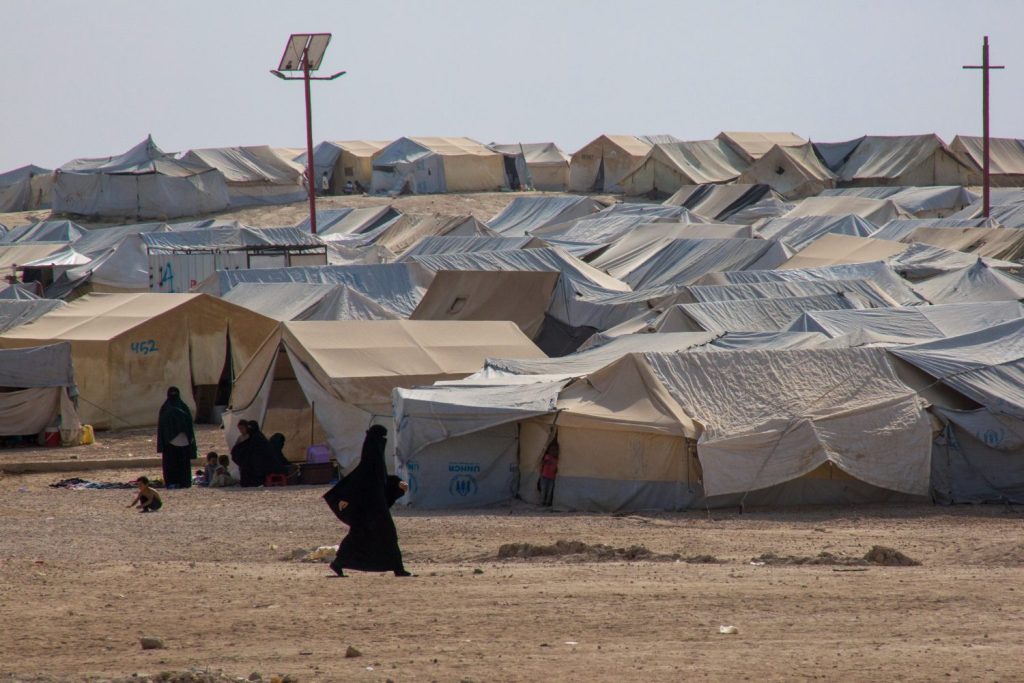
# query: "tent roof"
899,228
800,232
977,282
1006,155
756,144
633,145
278,300
44,231
878,211
833,249
702,161
17,312
999,243
889,156
12,255
449,244
243,165
143,158
101,317
453,146
226,239
388,348
537,153
755,315
524,214
913,322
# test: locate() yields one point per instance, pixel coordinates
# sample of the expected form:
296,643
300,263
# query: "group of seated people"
257,458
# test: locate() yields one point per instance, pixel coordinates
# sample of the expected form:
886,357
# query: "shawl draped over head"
368,486
175,418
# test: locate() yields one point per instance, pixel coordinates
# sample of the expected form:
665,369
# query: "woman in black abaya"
362,500
176,440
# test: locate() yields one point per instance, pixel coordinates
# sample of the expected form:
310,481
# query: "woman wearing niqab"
176,440
363,501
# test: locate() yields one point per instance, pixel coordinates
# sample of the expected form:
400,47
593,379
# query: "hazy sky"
92,78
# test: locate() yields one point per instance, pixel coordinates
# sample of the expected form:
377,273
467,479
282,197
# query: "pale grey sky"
92,78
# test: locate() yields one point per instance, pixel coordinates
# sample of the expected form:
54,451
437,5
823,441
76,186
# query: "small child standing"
148,499
548,472
222,475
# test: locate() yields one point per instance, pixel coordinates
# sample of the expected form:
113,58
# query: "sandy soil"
83,578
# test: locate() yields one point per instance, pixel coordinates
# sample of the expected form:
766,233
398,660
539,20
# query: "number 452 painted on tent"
145,347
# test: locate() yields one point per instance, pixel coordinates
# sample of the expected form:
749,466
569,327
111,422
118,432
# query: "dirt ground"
82,578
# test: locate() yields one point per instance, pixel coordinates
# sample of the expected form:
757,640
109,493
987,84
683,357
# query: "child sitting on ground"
209,470
148,499
222,475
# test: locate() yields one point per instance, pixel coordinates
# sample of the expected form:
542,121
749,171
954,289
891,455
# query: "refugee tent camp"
670,165
255,176
600,165
535,165
329,381
128,348
426,165
344,161
38,392
144,182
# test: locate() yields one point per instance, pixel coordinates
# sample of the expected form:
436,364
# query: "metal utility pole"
304,52
986,180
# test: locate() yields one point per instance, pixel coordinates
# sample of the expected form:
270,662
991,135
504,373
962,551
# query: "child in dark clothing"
148,500
548,472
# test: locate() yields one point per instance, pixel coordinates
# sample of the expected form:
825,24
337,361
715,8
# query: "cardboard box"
317,473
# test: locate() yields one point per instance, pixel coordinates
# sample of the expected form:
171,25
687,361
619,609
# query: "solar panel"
316,43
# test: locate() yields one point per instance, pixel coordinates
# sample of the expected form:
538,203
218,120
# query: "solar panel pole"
310,165
985,174
294,60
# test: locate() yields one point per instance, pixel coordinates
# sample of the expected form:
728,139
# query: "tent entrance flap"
211,396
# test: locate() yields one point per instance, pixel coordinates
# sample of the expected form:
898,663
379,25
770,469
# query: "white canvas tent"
26,189
670,165
344,161
255,176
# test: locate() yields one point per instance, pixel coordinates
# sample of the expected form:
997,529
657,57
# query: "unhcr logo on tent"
464,467
462,485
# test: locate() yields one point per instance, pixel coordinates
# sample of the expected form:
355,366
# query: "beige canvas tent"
424,165
794,172
128,348
671,165
1006,159
330,380
754,145
599,165
354,162
538,165
38,390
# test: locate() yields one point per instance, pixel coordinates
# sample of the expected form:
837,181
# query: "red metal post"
310,166
986,179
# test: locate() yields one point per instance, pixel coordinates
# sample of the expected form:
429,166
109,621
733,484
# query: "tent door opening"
511,172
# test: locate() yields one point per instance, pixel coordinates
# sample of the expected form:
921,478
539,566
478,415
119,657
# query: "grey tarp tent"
38,392
144,182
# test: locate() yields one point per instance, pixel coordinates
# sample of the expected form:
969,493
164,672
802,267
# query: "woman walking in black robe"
363,500
176,440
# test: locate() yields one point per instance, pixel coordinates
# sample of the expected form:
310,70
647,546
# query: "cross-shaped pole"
985,68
